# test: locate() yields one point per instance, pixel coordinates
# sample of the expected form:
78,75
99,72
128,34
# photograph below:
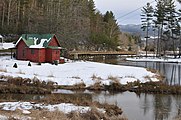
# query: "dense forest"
76,23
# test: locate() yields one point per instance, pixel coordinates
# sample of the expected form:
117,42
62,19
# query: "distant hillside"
134,29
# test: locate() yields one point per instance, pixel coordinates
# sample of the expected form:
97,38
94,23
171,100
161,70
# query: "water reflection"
20,97
144,106
135,107
172,71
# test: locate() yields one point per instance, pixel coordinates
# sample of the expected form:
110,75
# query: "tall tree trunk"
9,11
158,42
3,16
173,45
180,46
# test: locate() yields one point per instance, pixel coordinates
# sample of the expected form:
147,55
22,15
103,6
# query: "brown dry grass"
178,117
96,86
114,79
159,76
94,114
24,86
152,70
3,70
95,77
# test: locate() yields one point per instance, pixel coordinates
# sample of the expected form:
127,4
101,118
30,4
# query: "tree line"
165,21
77,23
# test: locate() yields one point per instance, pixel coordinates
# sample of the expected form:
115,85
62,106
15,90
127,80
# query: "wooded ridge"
77,23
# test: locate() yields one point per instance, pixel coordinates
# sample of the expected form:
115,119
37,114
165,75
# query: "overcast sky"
122,7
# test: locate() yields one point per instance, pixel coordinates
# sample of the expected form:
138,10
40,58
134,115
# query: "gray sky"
122,7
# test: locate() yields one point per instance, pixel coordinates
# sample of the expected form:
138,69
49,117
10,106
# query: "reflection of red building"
38,48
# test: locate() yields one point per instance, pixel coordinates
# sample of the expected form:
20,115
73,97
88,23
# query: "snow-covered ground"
26,106
75,72
150,59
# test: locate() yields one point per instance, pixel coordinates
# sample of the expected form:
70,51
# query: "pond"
143,106
135,107
171,71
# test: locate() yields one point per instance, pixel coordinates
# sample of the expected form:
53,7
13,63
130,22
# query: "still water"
134,106
144,106
171,71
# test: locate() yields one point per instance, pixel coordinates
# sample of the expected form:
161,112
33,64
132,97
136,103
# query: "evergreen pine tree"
147,16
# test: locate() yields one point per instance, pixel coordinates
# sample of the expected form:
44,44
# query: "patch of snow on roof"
40,45
1,36
35,40
8,45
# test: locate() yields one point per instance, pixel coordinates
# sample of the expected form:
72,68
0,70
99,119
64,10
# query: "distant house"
38,48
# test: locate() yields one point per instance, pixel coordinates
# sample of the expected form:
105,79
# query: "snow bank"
75,72
25,106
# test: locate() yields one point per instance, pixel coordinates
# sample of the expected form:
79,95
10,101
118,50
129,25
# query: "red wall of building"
42,53
54,42
52,55
48,55
55,54
36,55
21,51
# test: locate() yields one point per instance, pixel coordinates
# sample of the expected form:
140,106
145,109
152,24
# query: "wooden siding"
36,55
55,54
49,55
54,42
21,51
52,55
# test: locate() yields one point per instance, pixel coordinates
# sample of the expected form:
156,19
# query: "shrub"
94,77
29,64
15,65
56,62
114,79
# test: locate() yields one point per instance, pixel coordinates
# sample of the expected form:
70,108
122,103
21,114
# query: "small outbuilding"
38,48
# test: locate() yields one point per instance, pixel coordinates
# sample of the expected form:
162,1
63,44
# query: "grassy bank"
27,86
137,87
24,86
57,115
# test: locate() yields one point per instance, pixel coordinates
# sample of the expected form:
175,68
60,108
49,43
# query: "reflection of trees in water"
20,97
178,105
165,69
162,106
146,103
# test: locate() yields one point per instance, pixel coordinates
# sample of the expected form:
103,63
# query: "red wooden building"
38,48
